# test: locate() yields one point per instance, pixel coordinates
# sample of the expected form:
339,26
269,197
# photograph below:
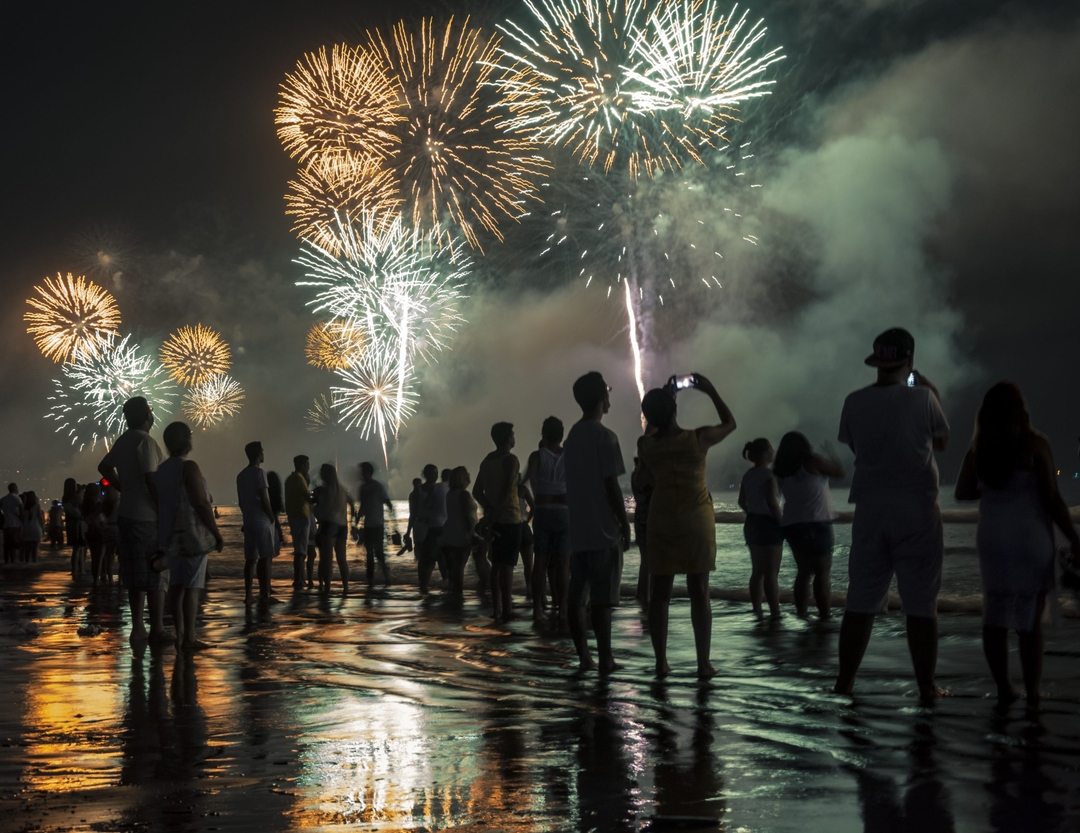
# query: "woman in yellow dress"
681,536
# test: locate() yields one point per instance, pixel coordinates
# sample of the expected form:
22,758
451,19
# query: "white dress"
1015,541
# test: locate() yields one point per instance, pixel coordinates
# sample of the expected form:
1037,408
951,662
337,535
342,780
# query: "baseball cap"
892,348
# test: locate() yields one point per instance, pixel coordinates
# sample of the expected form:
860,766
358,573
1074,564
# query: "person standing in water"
759,497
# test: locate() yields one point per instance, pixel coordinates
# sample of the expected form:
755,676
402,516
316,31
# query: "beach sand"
389,711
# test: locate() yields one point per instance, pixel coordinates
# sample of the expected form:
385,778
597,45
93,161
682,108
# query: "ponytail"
755,449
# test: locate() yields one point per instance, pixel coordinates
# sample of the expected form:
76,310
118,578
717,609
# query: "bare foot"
585,664
139,635
847,690
249,600
609,667
197,645
662,670
162,636
706,673
928,697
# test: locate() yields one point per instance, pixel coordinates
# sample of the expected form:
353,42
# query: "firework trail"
193,355
455,162
374,398
396,285
70,314
321,416
344,101
628,88
89,399
213,399
336,345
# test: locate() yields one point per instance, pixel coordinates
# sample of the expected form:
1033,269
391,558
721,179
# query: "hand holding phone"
678,383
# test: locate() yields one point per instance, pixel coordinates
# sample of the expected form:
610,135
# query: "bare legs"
765,565
819,570
502,581
697,586
539,585
601,623
996,649
922,644
185,609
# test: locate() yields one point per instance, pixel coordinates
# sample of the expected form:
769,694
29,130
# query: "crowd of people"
565,517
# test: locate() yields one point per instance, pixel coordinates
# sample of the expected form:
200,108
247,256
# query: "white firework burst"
211,401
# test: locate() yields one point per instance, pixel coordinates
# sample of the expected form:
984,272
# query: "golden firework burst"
70,314
344,101
195,354
211,401
320,416
455,163
339,185
335,345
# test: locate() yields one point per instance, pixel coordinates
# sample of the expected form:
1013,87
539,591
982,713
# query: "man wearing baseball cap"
894,427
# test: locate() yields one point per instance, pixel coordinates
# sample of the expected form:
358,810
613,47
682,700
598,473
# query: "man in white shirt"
599,530
12,508
894,427
130,466
260,545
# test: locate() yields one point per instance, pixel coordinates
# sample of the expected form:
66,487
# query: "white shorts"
300,529
259,541
903,537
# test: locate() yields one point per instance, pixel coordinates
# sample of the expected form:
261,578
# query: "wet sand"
388,711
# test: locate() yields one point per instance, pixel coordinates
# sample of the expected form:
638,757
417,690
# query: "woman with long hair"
332,503
1009,469
803,477
681,532
95,533
759,498
33,528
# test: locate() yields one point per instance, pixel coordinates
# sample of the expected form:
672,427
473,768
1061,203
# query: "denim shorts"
809,542
762,531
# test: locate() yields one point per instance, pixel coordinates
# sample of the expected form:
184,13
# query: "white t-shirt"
755,486
892,429
249,485
592,453
134,455
435,505
806,498
11,506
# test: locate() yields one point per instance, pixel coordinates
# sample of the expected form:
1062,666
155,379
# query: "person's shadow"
925,804
1018,786
605,783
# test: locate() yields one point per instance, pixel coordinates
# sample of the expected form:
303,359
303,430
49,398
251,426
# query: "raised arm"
829,467
710,435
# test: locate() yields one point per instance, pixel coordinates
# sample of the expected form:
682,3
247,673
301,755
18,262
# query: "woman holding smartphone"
681,531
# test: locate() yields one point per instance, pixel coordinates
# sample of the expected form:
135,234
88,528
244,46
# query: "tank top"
806,498
753,489
550,476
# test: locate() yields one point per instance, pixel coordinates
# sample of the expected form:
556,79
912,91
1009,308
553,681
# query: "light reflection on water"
391,713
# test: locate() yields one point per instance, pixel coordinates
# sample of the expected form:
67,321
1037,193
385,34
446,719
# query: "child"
460,528
759,498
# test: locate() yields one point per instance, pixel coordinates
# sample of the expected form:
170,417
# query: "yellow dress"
681,535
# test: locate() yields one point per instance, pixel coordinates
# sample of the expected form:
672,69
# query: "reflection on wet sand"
394,712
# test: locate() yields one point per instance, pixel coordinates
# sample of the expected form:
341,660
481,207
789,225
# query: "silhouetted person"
33,528
545,472
759,498
373,497
808,517
642,491
130,467
599,529
77,531
1010,470
12,507
682,523
276,491
460,529
110,530
56,525
415,525
301,521
496,492
95,532
184,505
259,544
433,511
894,429
332,506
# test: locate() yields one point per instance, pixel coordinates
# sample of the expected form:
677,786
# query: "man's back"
249,485
892,429
373,497
135,454
497,476
11,505
592,454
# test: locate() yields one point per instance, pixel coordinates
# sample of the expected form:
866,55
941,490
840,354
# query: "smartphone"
911,380
682,382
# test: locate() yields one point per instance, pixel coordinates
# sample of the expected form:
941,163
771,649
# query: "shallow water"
391,712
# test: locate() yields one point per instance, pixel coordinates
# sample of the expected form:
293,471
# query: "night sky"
920,167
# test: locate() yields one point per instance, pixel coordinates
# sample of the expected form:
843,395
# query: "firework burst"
375,399
89,399
457,167
344,101
70,315
335,345
620,84
195,354
320,416
339,184
213,400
